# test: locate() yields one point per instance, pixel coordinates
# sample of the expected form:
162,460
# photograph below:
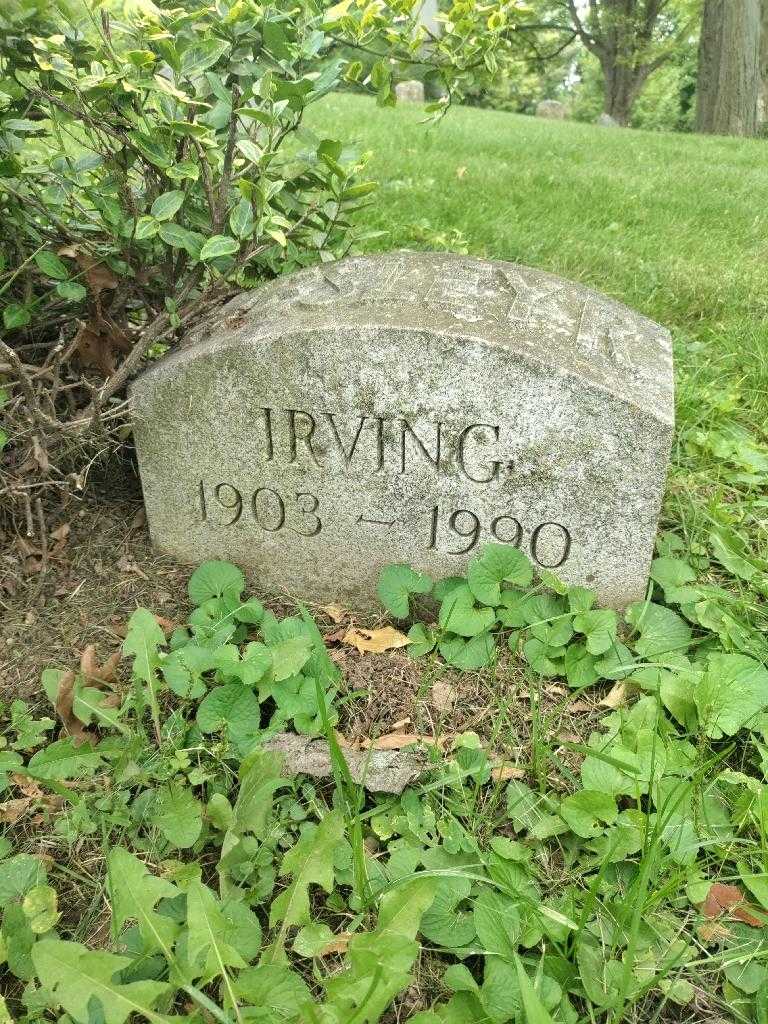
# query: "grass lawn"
590,845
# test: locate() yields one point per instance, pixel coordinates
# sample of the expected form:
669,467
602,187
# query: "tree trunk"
762,101
729,61
622,85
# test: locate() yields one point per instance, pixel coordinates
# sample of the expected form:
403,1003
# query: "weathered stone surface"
606,121
551,109
409,407
410,92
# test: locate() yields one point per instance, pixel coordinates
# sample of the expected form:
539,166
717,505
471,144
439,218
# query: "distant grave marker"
408,407
410,92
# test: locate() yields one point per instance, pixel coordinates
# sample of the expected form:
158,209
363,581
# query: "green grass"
673,225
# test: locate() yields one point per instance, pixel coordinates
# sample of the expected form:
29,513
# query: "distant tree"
729,67
631,39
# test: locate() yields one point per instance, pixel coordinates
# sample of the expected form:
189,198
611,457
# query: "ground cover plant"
536,891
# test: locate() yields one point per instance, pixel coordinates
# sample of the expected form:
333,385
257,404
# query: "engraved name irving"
363,442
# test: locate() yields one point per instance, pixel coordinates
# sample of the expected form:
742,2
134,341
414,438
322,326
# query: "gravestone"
606,121
409,407
551,109
410,92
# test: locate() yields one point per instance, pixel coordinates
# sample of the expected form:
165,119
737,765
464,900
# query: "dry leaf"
729,899
127,564
580,707
95,673
394,741
40,454
27,786
505,772
375,641
98,342
397,740
443,695
617,695
460,172
64,701
713,931
334,612
12,810
338,944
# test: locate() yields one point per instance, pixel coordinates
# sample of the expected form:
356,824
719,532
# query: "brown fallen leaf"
505,772
127,564
12,810
617,696
375,641
334,612
729,900
28,787
70,722
580,707
338,944
398,740
100,675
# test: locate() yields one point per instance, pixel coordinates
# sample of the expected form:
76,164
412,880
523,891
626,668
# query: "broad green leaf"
64,760
71,290
259,779
277,991
202,55
134,892
396,584
41,909
309,862
732,692
497,923
599,627
50,265
380,961
16,315
497,564
179,238
209,952
671,573
731,550
178,814
142,640
421,639
167,204
218,245
312,939
249,150
661,630
445,922
580,666
232,707
241,220
469,655
459,614
588,811
215,579
18,875
75,974
290,656
544,660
